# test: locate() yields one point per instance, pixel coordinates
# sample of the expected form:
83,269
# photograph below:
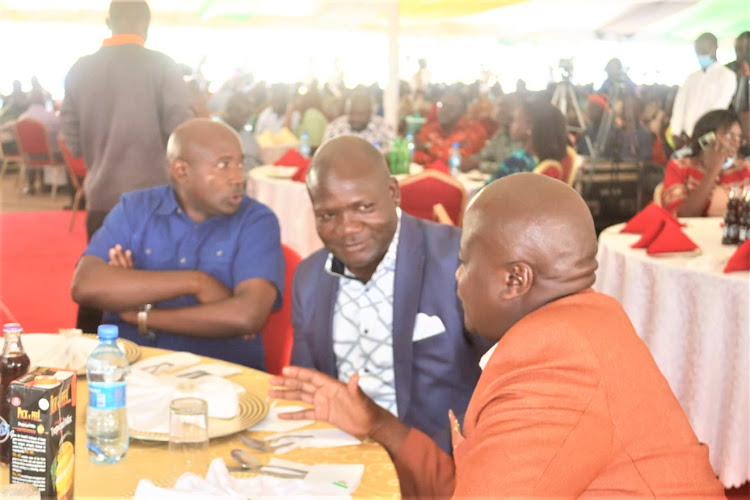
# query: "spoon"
251,463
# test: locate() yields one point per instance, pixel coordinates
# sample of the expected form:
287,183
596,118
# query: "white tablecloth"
290,202
696,321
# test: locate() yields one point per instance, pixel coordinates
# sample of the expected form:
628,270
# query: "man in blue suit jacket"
379,302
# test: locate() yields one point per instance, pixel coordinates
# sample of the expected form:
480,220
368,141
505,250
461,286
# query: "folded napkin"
282,137
649,235
438,165
292,158
313,438
272,422
149,396
646,218
671,239
740,260
69,351
322,481
167,362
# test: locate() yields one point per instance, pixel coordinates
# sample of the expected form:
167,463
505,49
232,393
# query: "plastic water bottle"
304,145
410,143
106,421
454,159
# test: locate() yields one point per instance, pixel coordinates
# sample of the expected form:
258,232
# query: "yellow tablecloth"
148,459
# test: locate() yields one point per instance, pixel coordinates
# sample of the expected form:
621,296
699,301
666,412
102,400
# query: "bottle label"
107,395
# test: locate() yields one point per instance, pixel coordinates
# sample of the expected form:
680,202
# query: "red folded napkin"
438,165
300,175
292,158
671,239
740,260
649,235
646,218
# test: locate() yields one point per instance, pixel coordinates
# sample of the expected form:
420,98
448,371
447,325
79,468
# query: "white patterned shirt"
363,327
377,131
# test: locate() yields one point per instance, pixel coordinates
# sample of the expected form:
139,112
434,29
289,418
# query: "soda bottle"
454,159
304,145
745,217
14,363
731,233
106,421
410,143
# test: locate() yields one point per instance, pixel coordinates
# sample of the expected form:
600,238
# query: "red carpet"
37,259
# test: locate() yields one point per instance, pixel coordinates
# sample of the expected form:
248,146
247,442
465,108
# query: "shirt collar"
124,39
168,203
335,267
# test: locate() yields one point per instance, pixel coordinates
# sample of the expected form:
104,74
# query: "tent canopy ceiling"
512,20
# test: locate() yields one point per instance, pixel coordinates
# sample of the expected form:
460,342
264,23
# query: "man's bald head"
355,200
533,238
195,134
347,157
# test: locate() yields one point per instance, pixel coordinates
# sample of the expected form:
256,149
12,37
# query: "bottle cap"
108,332
455,144
12,327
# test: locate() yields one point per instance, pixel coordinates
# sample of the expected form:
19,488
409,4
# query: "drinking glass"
188,436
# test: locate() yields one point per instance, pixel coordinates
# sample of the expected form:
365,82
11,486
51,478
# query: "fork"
268,445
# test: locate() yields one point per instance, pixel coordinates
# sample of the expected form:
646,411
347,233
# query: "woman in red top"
698,185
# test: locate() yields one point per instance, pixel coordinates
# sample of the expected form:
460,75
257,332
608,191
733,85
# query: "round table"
695,320
148,459
290,202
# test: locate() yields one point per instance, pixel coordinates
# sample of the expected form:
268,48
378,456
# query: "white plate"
69,352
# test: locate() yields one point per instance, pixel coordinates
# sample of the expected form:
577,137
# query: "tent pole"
390,99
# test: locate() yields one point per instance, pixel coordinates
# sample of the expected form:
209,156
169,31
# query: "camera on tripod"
566,66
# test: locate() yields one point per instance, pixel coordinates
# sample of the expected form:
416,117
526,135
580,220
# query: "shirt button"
182,260
219,253
148,251
367,331
179,210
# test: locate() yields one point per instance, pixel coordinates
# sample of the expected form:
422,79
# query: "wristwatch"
143,322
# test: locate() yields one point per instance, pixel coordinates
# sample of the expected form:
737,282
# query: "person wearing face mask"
698,185
711,87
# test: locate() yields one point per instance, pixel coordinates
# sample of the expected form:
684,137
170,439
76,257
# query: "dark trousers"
89,318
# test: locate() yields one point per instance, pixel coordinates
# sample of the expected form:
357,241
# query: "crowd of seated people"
413,311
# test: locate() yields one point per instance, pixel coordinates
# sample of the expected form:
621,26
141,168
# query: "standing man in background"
709,88
121,104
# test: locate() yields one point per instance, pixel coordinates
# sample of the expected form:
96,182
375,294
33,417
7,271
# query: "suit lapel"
327,291
406,297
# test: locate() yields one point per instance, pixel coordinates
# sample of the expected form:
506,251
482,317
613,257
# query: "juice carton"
43,423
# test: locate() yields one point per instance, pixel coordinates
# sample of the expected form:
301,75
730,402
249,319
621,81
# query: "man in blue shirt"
207,257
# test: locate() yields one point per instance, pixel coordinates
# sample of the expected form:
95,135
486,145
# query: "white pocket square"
426,326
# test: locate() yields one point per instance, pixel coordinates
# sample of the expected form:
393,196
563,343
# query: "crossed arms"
119,287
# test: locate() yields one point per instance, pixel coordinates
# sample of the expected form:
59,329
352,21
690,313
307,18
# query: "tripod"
618,143
563,92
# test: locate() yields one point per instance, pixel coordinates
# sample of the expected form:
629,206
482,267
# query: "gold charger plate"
131,349
253,409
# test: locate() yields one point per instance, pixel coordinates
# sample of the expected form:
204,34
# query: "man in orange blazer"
570,403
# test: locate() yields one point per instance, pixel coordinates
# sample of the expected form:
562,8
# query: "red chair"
551,168
570,164
77,170
34,146
278,332
420,193
440,215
